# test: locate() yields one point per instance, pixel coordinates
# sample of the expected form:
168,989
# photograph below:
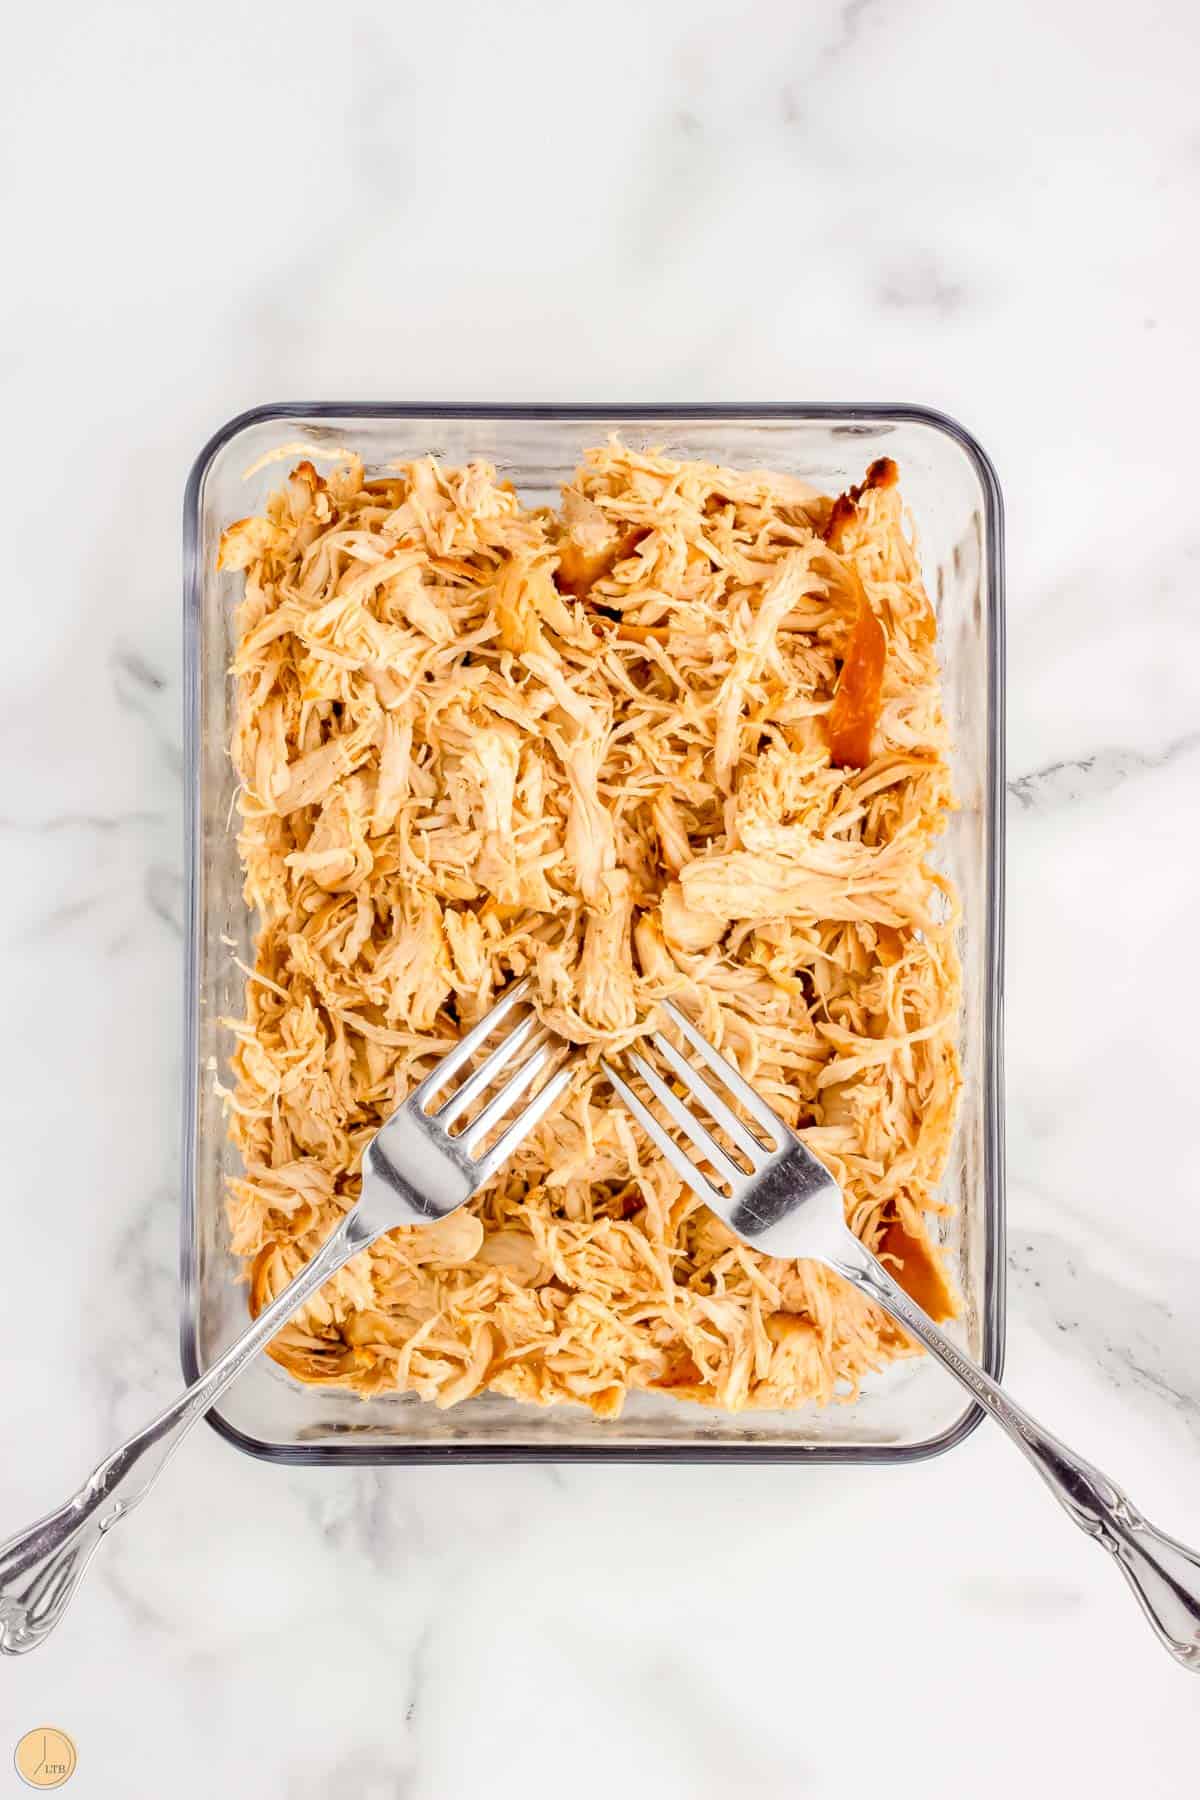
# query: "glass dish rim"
991,1076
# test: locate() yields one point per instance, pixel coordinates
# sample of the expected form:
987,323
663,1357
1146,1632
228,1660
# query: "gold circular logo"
45,1758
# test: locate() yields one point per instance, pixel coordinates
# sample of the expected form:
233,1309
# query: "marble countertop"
989,212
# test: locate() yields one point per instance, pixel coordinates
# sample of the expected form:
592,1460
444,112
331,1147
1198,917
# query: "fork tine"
541,1103
486,1073
705,1143
681,1163
466,1047
754,1103
708,1096
512,1090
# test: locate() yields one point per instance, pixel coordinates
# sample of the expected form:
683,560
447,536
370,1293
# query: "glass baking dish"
908,1411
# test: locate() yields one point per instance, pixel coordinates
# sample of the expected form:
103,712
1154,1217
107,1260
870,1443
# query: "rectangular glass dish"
909,1410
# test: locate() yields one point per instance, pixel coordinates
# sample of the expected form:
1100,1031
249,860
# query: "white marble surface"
991,210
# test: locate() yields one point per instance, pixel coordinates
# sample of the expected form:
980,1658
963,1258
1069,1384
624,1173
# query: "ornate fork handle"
42,1566
1163,1573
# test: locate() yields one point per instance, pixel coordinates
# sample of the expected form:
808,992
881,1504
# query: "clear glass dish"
908,1411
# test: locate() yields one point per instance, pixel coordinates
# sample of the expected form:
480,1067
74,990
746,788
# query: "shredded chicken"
682,737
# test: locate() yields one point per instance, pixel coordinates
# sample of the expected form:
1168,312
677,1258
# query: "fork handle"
41,1567
1163,1573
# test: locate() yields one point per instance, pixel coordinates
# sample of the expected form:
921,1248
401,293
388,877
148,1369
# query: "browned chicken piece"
590,545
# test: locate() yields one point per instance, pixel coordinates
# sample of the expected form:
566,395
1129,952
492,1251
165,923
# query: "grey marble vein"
365,1774
418,1674
850,19
922,284
106,823
164,895
1137,1342
141,689
1092,776
135,673
366,1516
135,1309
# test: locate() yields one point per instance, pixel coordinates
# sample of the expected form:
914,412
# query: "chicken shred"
613,747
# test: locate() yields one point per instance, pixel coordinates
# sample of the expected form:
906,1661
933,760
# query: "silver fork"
414,1172
783,1201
